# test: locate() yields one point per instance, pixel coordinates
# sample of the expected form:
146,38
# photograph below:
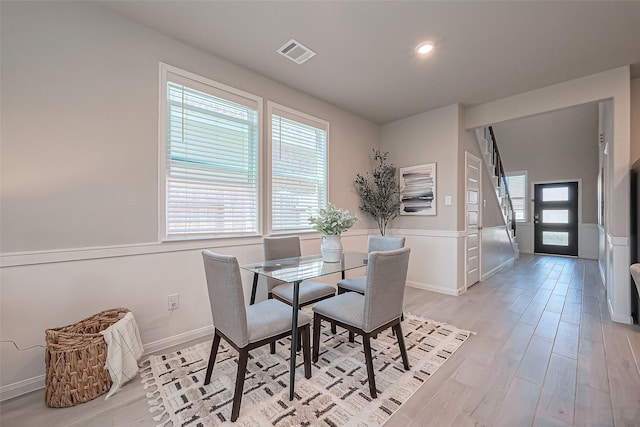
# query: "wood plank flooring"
546,353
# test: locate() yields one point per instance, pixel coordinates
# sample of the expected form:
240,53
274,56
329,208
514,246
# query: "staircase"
493,162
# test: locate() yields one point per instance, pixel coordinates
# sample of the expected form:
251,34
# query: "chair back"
384,293
226,296
278,248
384,243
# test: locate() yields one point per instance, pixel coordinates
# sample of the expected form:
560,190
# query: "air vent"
296,52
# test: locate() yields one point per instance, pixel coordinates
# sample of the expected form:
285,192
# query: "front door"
555,218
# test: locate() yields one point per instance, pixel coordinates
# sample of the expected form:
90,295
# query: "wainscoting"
587,239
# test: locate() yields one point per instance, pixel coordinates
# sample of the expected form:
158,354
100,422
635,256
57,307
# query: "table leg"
253,288
294,338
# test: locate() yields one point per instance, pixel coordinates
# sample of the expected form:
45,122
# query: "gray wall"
635,120
555,146
427,138
80,126
79,142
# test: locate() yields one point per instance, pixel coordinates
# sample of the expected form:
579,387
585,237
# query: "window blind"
298,170
211,161
517,190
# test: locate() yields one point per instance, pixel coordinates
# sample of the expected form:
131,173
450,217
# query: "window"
209,157
298,168
517,184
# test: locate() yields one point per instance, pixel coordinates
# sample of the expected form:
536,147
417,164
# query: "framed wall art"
418,190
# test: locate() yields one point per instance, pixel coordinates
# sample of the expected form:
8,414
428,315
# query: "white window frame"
290,113
165,71
525,203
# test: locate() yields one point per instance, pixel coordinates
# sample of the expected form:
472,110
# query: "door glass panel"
473,197
555,194
555,238
555,216
472,218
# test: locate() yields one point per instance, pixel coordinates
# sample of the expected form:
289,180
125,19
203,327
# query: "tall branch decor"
380,192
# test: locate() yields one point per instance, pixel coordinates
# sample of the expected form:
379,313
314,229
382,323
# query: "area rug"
336,395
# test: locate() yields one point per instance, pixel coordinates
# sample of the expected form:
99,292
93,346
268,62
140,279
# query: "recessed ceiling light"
424,48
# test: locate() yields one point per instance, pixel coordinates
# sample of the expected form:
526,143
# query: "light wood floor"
546,354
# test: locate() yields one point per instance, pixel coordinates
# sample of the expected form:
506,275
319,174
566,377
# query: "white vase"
331,248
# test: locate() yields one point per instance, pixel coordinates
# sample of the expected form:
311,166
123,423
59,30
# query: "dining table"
296,270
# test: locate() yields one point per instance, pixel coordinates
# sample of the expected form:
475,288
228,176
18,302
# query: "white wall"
496,250
78,202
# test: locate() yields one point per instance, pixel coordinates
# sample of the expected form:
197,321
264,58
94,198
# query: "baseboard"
10,391
433,288
505,264
182,338
19,388
620,319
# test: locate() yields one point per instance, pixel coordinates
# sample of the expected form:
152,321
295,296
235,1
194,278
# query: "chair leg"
333,328
316,336
403,349
369,360
299,346
306,350
212,357
237,395
351,337
272,347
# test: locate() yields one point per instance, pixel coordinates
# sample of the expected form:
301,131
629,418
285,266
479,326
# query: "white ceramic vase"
331,248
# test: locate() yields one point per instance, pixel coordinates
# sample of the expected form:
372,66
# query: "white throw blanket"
124,349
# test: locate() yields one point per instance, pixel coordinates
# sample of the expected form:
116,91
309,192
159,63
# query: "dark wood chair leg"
299,346
237,395
369,359
212,357
403,349
272,344
351,337
333,328
306,350
316,336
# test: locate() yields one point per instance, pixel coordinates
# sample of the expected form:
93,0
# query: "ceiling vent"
296,52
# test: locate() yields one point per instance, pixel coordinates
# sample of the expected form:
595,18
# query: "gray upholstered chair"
245,328
310,291
375,243
378,309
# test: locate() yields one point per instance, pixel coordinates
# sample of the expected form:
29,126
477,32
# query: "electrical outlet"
173,302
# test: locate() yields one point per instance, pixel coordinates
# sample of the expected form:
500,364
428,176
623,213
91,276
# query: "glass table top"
306,267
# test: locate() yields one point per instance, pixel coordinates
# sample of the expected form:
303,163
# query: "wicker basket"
75,360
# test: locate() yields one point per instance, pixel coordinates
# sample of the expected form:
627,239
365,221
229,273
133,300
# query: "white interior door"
472,219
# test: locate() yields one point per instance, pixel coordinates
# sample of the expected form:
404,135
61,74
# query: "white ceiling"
365,60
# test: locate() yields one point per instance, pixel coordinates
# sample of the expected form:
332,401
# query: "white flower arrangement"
332,220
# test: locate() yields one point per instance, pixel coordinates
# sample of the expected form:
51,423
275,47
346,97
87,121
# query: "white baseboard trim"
19,388
433,288
10,391
507,263
620,319
182,338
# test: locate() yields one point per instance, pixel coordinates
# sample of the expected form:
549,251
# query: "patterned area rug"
336,395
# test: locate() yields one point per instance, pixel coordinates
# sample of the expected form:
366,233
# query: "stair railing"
502,178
